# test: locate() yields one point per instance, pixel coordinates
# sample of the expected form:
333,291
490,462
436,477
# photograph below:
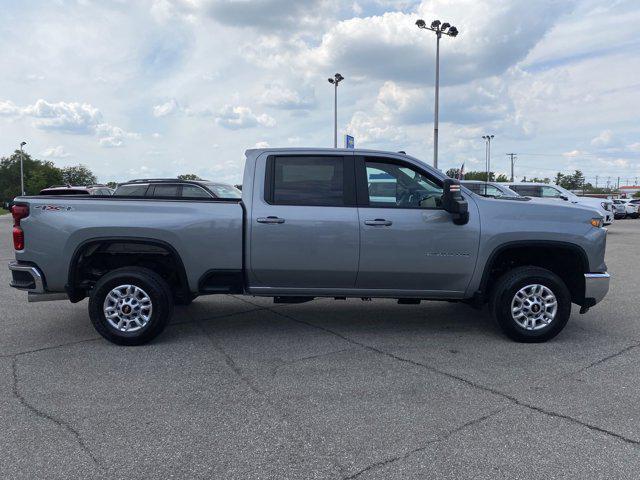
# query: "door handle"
270,219
379,222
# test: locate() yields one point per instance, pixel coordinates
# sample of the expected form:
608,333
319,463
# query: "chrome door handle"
379,222
270,219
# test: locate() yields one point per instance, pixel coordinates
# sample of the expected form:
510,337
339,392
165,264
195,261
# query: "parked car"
624,208
77,190
305,227
546,190
175,188
488,189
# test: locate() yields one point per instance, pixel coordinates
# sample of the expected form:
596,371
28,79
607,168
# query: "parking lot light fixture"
335,80
487,139
439,29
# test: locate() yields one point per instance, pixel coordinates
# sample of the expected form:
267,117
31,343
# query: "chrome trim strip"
35,273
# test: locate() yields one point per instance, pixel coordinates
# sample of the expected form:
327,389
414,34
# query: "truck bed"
206,234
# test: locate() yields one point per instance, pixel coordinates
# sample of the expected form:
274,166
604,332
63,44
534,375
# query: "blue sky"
163,87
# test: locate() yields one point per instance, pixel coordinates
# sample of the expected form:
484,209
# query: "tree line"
573,181
40,174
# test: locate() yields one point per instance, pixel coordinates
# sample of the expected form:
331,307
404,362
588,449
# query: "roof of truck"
323,149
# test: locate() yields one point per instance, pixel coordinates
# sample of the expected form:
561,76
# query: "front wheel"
531,304
130,305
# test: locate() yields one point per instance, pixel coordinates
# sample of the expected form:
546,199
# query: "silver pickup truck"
308,226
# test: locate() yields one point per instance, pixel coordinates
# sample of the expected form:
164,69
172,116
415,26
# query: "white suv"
625,209
547,190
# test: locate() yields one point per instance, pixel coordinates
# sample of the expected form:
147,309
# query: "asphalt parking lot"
241,388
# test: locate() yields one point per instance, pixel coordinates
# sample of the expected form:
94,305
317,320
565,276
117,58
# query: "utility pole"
22,144
439,29
596,181
487,139
337,78
512,156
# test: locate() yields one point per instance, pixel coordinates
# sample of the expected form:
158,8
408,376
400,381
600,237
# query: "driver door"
408,242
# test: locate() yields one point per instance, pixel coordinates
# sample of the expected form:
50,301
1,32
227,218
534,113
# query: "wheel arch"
541,253
77,292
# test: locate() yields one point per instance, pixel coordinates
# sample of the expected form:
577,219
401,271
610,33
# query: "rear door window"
131,190
309,181
170,190
193,191
527,190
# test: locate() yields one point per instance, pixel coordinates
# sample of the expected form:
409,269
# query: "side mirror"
454,203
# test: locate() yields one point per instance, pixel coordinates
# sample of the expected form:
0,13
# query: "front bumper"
596,286
26,277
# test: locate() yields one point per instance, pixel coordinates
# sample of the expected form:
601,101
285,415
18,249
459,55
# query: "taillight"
18,212
18,238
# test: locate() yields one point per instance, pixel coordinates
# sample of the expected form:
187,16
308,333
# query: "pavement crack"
46,416
506,396
424,446
274,370
229,361
605,359
51,347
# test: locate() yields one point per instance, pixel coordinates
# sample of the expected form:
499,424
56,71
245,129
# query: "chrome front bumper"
596,286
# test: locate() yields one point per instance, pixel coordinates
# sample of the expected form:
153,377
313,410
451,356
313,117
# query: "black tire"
505,290
152,284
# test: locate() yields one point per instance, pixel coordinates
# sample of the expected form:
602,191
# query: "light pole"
337,78
439,29
22,144
487,139
513,158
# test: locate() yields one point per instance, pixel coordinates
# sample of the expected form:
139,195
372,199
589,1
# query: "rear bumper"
26,277
596,286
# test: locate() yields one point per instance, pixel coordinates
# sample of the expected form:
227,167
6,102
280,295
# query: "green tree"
78,175
502,178
453,172
37,175
189,176
482,176
112,184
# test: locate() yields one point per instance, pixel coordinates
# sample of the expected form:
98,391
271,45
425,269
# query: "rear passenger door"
304,223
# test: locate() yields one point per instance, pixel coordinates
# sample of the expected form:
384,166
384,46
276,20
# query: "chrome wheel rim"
534,307
127,308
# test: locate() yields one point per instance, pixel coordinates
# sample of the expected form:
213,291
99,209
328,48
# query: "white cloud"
166,108
73,117
55,152
262,145
603,139
111,136
279,96
494,35
242,117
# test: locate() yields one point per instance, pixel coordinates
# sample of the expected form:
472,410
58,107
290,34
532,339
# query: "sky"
159,88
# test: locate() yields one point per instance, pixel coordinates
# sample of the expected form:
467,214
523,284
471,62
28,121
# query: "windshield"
565,192
222,190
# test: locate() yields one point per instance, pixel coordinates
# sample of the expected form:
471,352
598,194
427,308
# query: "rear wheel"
531,304
130,305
